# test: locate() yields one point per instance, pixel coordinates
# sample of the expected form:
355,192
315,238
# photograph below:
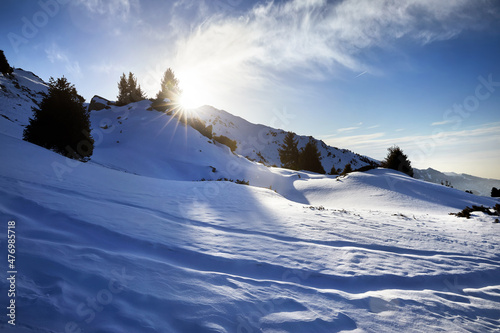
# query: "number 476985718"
11,247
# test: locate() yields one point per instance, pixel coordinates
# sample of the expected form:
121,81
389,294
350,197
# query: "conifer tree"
333,170
123,97
169,87
136,93
309,158
129,91
398,161
4,64
61,122
289,153
347,169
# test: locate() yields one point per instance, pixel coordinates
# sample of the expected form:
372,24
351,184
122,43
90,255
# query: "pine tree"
333,170
347,169
309,158
61,122
398,161
169,87
135,91
5,68
123,97
129,91
289,153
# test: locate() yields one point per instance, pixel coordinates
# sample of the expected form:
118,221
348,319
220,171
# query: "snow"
132,241
17,97
261,143
464,182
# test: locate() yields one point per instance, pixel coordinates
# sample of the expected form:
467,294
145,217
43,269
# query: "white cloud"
56,55
113,8
444,122
348,129
312,38
440,150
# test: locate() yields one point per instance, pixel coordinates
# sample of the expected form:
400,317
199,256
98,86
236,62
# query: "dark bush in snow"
495,211
226,141
199,125
495,193
366,168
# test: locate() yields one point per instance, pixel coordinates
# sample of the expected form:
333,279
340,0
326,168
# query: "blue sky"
358,74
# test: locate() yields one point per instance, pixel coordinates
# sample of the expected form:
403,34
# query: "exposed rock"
98,103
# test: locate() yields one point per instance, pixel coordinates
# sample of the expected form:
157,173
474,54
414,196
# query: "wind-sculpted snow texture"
109,251
129,242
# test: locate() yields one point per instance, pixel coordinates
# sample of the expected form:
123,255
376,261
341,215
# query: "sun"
189,100
194,91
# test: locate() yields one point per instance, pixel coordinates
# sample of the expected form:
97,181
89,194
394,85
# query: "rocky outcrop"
98,103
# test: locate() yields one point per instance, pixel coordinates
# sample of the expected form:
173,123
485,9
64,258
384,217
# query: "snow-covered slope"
261,143
18,94
131,242
103,250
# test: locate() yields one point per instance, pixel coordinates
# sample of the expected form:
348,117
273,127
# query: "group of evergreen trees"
129,91
61,121
307,158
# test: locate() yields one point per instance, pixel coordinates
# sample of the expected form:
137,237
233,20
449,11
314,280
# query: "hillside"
17,96
261,143
134,241
258,143
464,182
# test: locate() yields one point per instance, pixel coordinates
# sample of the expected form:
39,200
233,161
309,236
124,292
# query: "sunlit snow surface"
129,243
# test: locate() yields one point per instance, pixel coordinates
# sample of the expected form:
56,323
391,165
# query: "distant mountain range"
464,182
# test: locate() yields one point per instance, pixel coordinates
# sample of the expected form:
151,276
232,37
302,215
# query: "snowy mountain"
261,143
18,95
464,182
133,241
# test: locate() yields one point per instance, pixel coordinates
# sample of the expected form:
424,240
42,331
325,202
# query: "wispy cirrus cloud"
56,55
438,149
112,8
312,38
444,122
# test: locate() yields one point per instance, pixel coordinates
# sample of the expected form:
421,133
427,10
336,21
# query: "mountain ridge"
256,142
